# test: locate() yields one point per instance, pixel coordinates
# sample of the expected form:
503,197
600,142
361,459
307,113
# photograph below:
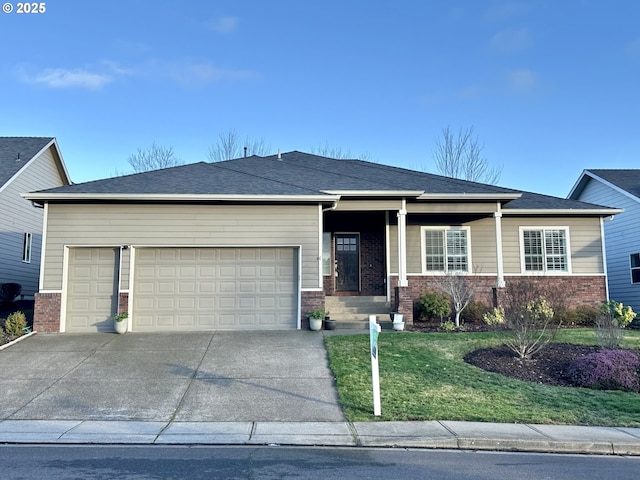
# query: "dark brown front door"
347,262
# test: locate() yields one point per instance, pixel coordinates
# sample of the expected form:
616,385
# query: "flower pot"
398,326
329,324
121,326
315,324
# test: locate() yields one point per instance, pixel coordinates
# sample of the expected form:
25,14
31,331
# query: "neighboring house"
26,164
620,189
256,242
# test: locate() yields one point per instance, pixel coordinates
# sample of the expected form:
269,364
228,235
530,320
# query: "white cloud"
522,80
64,78
510,41
223,25
198,74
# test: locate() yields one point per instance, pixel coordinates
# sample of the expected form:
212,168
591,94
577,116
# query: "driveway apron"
200,377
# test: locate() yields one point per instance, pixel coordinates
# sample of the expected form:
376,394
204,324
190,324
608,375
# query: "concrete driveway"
214,376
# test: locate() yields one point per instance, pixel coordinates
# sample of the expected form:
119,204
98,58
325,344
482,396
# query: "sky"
549,87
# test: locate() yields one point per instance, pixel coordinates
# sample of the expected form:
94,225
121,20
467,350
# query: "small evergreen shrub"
474,312
586,316
8,292
607,370
15,324
435,305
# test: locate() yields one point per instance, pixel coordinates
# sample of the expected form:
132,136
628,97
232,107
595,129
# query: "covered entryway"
188,289
347,262
92,289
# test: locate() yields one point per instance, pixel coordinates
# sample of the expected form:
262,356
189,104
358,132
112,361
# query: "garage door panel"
92,290
215,288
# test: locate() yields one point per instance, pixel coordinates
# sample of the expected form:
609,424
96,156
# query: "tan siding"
182,225
483,246
369,205
584,235
451,208
18,215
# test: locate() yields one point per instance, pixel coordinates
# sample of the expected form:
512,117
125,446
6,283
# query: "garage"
92,289
191,289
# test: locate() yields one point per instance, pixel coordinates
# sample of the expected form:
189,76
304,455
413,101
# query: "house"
620,189
26,164
256,242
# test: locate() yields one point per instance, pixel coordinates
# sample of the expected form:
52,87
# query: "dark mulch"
549,366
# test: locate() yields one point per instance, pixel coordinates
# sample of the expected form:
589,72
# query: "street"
276,462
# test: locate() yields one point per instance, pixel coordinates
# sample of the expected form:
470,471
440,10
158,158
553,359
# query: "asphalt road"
200,463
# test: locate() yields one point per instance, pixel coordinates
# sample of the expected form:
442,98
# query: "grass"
423,377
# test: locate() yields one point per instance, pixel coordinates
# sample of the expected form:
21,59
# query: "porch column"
402,245
500,283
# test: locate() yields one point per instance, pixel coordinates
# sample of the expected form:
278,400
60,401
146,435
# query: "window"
545,250
26,248
445,249
635,268
326,253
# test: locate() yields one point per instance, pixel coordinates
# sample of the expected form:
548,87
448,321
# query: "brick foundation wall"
123,302
46,312
309,301
578,290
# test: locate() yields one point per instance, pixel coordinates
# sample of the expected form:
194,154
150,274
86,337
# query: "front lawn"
423,377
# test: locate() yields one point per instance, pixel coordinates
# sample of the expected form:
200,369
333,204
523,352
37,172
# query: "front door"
347,262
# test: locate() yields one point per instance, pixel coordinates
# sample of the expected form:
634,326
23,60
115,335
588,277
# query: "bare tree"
153,158
460,156
229,146
459,288
337,152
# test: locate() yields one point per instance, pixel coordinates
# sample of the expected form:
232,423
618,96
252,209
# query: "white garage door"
180,289
92,289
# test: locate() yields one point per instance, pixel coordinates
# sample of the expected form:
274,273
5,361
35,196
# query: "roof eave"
562,211
374,193
43,197
470,196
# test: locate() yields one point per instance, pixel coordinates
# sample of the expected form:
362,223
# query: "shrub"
448,326
494,317
475,312
15,324
623,314
9,291
586,316
613,318
607,370
529,317
435,305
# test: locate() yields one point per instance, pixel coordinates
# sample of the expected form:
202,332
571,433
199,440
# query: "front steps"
353,312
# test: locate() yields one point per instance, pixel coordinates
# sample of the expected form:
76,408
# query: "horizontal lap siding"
181,225
18,215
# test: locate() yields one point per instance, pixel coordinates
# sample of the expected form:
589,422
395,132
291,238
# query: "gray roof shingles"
297,173
15,152
626,179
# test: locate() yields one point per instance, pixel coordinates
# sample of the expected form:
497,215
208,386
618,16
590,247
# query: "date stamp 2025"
22,7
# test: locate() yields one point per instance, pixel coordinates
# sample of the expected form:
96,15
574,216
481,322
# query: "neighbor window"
326,253
26,248
545,250
635,268
445,249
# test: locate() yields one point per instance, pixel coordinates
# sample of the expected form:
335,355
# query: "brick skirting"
46,312
309,301
588,290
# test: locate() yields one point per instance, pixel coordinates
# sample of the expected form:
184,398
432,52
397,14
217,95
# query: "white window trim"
423,249
542,228
27,247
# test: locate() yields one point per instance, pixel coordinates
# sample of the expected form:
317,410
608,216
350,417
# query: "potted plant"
328,323
120,322
398,322
315,319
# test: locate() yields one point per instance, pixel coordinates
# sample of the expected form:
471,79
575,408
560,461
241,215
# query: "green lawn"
423,377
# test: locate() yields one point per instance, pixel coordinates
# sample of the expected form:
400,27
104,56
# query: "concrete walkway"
227,389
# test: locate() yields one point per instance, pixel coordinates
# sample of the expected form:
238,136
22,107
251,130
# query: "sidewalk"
431,434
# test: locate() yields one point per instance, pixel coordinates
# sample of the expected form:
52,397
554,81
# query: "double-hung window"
545,249
635,267
445,249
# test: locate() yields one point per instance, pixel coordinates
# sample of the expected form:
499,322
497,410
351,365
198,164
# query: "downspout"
402,245
500,283
604,255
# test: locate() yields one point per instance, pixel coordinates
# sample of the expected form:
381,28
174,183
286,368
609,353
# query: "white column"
500,283
402,245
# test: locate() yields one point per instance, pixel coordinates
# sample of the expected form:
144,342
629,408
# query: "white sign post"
374,330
